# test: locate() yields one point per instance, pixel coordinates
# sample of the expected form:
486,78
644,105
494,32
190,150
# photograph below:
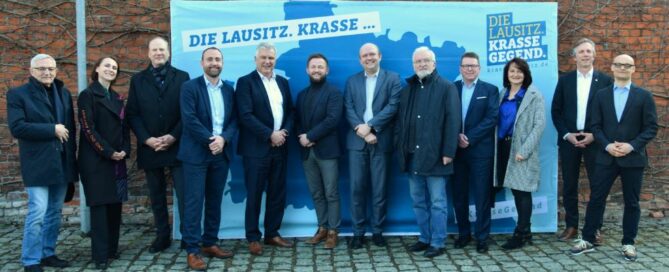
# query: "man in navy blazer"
317,114
371,99
624,121
571,115
476,149
41,117
265,117
209,124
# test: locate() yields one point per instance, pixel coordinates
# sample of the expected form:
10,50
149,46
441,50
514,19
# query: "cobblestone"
545,254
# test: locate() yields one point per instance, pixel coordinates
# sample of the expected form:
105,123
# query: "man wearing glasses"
570,110
624,120
427,129
40,116
476,148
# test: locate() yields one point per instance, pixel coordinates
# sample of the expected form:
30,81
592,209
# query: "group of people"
458,136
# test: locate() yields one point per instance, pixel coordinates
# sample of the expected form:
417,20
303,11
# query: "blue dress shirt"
217,106
507,113
620,95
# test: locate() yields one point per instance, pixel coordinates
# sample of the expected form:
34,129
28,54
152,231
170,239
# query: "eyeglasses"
469,66
44,69
623,65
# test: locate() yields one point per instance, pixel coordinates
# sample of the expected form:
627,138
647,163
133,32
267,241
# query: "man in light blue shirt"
209,125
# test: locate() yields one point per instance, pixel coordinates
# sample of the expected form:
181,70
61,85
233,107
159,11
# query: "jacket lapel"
380,78
112,104
475,94
204,93
259,84
630,101
38,92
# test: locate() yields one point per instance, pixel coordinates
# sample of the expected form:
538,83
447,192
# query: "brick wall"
122,29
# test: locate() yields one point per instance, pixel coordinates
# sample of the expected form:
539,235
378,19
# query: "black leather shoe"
433,252
462,241
114,256
378,240
101,265
33,268
357,242
419,246
54,261
482,247
160,243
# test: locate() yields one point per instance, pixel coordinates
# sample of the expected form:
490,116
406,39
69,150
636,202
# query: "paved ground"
546,254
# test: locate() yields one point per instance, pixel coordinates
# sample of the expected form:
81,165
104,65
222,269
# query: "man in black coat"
624,121
41,117
571,116
317,114
153,114
426,132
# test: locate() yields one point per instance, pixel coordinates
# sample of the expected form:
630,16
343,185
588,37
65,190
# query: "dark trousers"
570,157
473,174
523,201
265,174
605,175
105,227
203,187
156,180
369,169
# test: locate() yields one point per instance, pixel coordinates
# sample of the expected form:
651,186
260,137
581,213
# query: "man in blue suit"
265,118
209,124
476,149
317,115
370,99
41,117
624,121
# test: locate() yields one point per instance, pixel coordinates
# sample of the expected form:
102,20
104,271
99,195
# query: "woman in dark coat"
103,147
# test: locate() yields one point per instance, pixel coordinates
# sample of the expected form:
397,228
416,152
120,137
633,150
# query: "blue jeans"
429,204
42,224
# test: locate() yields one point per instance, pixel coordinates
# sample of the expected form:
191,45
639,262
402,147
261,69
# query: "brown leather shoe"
278,241
568,234
331,241
255,248
195,262
215,251
599,238
320,235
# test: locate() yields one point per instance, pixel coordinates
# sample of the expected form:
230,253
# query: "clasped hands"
160,143
217,144
572,137
278,137
364,131
618,149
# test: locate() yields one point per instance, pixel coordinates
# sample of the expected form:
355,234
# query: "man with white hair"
427,129
265,117
41,117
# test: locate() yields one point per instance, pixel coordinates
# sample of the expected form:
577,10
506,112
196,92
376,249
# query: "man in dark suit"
370,99
153,113
476,149
571,116
209,124
41,117
624,121
318,112
265,117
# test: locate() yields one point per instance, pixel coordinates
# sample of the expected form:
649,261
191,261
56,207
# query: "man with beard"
318,111
209,124
427,129
153,114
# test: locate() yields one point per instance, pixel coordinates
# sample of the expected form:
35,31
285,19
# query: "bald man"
624,120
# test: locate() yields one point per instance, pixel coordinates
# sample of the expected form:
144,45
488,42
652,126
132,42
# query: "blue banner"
498,32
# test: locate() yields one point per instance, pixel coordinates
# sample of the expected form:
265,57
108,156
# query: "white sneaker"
629,251
581,246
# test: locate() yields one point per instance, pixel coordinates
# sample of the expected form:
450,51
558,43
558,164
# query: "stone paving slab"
545,254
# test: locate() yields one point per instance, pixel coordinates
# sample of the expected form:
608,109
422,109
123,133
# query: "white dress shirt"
275,98
583,82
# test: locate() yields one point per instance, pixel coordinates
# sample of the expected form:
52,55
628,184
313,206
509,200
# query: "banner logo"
281,31
507,40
